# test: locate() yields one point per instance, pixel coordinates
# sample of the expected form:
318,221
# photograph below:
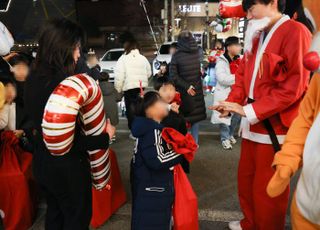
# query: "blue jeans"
195,132
227,131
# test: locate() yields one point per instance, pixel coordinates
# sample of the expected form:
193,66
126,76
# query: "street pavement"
213,177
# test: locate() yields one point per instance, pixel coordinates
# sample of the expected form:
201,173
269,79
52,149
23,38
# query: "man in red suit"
270,83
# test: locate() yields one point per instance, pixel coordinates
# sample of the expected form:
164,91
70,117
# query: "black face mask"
226,55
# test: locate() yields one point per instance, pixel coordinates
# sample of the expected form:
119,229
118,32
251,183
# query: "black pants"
130,98
66,182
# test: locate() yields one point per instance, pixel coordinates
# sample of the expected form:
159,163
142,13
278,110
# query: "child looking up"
168,94
152,177
175,120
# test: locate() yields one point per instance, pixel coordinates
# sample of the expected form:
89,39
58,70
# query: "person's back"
185,71
187,59
110,99
131,69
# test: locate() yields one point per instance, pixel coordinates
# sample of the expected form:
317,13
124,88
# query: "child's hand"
111,130
175,107
18,133
191,91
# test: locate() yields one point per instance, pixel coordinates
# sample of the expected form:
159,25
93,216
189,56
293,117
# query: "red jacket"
280,82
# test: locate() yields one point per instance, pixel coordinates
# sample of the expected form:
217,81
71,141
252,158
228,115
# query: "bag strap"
275,142
272,134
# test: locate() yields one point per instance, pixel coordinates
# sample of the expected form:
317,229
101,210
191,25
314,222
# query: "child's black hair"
143,103
104,76
7,81
19,59
162,81
247,4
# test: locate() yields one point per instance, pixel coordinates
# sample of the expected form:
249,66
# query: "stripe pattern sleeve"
164,154
77,99
158,155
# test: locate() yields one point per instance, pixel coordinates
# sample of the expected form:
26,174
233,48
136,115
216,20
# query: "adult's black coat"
185,71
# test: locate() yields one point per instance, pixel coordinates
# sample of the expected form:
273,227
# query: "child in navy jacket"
152,177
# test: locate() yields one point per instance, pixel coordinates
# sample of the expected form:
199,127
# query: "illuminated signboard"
190,8
198,9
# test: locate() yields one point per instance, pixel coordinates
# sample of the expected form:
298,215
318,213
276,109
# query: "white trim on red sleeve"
250,114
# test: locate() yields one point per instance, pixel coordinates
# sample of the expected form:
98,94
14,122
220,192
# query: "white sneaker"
132,137
234,225
226,144
233,140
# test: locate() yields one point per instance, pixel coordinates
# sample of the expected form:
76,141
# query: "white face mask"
6,40
255,26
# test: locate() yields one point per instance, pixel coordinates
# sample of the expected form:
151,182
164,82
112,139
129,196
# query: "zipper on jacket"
155,189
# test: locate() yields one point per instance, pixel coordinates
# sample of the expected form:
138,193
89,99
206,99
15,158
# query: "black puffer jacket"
185,71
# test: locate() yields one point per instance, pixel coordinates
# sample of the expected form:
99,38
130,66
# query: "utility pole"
165,20
172,19
207,25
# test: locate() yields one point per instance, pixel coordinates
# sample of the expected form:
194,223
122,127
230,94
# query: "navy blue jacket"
152,179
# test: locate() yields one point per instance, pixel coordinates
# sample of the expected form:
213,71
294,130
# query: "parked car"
109,60
163,55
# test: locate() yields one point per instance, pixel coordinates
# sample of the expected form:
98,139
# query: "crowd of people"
61,111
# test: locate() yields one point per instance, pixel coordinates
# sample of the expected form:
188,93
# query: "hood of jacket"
142,126
188,45
107,88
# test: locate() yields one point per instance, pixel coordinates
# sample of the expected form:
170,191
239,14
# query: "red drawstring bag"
17,187
109,200
185,206
181,144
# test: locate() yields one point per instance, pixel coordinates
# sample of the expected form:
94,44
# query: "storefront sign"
198,9
190,8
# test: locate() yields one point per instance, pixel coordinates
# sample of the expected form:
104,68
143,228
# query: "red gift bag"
108,201
17,188
185,206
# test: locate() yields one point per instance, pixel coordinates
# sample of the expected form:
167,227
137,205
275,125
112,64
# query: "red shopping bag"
108,201
185,206
17,188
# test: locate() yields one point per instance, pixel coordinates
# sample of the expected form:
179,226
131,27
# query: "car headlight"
157,64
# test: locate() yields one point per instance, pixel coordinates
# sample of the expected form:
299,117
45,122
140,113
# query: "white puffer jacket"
6,40
224,82
130,70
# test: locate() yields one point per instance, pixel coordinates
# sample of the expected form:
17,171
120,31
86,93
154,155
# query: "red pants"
260,211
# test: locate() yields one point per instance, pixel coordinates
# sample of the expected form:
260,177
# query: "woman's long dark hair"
57,43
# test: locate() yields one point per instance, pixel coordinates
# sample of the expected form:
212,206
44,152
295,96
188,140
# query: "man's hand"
175,107
111,130
223,113
191,91
225,108
232,108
